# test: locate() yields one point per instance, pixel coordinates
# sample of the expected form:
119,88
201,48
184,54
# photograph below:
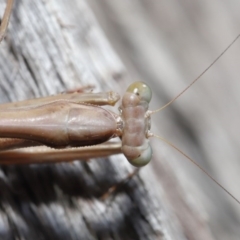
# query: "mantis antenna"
196,79
149,112
191,160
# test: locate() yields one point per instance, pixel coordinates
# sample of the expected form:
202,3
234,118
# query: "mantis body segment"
62,122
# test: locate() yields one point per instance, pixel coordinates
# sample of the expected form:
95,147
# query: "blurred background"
167,44
56,45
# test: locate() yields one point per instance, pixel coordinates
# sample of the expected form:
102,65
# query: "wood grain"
55,45
168,44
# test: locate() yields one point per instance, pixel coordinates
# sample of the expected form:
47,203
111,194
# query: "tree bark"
168,44
56,45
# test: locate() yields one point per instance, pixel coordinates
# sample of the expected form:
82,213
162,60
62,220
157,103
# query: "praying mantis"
82,122
67,120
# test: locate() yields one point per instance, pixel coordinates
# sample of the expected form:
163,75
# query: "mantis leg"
99,99
5,19
106,98
48,155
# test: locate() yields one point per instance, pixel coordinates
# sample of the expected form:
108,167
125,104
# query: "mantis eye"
144,158
142,90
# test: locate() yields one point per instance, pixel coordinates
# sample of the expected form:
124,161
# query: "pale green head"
144,158
142,90
140,155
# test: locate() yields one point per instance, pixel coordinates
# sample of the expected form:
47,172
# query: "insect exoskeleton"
136,121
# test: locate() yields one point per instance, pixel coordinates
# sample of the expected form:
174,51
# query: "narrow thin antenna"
202,169
196,79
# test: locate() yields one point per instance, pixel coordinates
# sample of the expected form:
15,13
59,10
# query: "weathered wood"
56,45
168,44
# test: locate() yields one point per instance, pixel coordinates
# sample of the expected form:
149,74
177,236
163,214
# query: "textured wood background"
168,44
56,45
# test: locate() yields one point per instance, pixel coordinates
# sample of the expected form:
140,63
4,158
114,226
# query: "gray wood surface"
168,44
56,45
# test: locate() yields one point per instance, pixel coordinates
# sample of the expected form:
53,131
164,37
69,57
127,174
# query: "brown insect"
77,119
